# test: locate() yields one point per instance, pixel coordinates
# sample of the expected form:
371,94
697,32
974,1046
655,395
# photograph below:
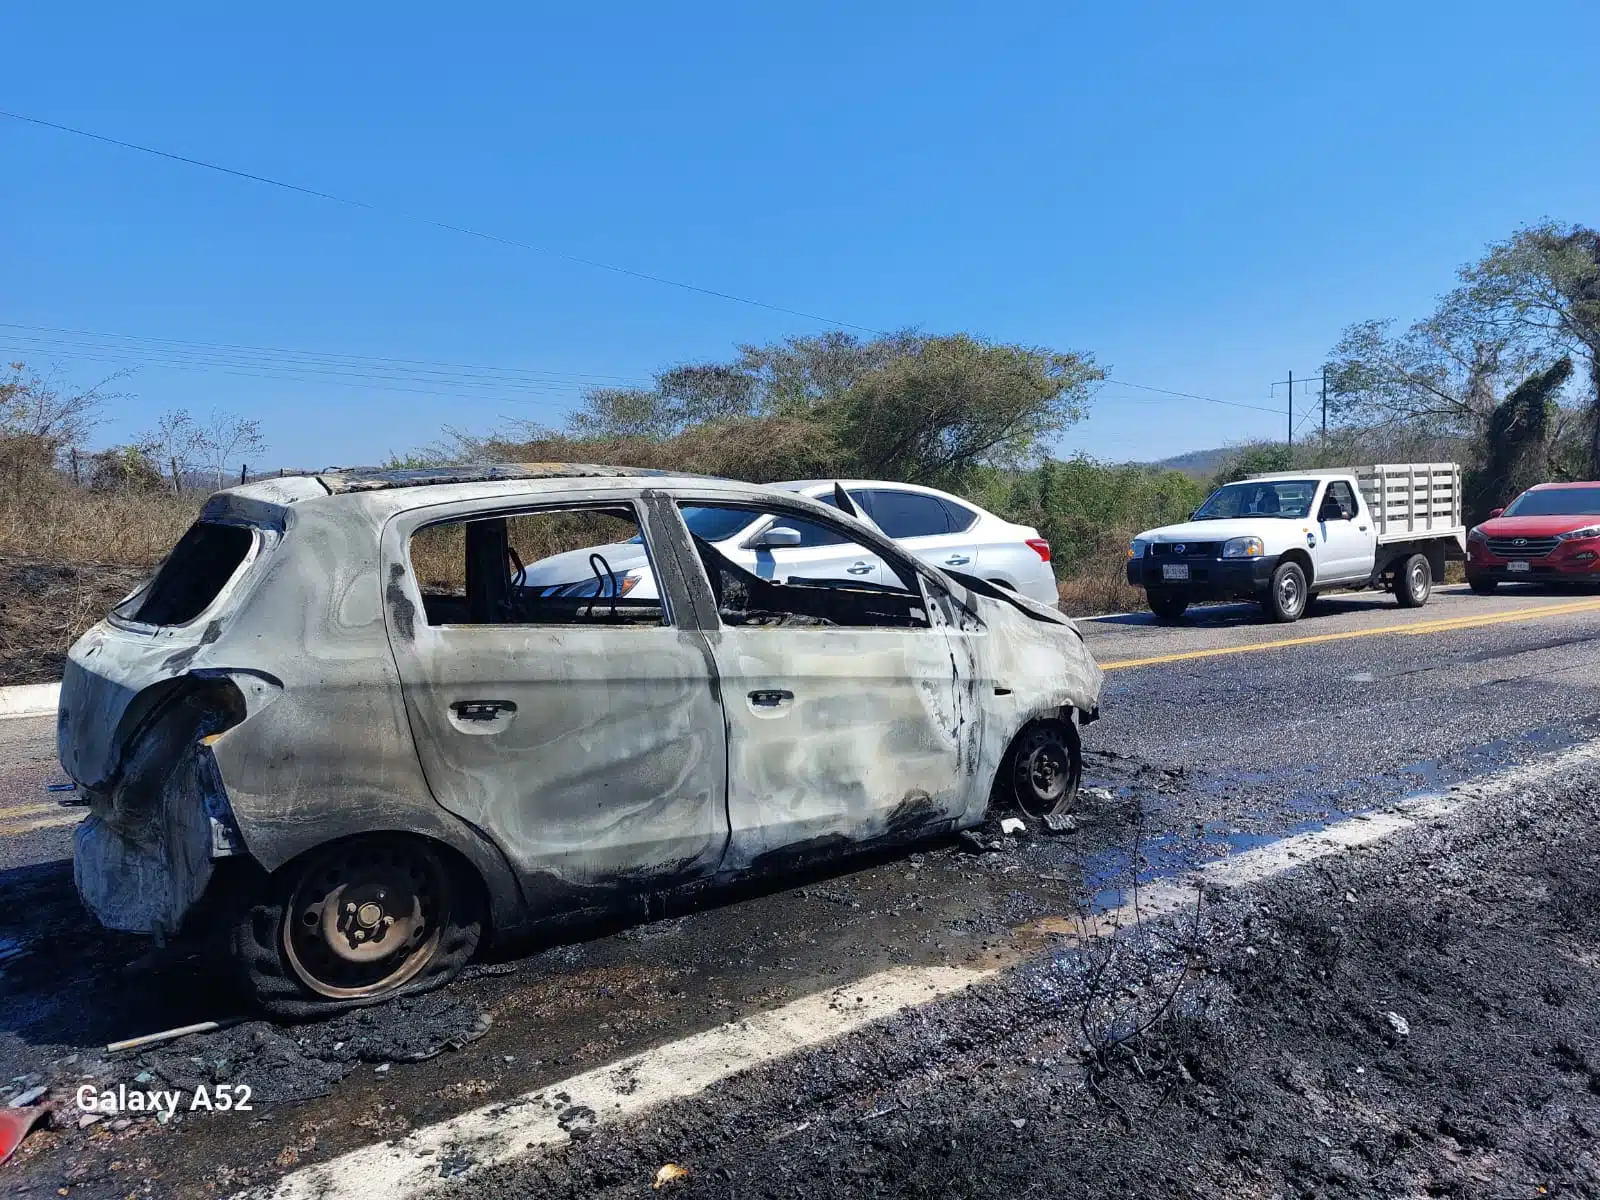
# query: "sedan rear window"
908,514
193,575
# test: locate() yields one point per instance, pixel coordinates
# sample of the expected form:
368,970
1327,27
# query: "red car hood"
1535,526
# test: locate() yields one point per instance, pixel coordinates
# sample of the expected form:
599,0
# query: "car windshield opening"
1556,502
1290,498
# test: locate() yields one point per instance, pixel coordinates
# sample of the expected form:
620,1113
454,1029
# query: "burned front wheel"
359,922
1046,768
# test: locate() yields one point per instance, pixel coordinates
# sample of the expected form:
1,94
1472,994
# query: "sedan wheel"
1046,769
365,919
359,922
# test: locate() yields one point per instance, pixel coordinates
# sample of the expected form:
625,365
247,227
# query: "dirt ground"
1418,1019
45,604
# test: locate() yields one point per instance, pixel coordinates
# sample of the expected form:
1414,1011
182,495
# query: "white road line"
496,1133
29,699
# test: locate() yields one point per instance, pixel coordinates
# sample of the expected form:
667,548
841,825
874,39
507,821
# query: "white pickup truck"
1281,539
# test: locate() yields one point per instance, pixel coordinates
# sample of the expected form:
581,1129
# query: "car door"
925,526
849,717
823,552
583,735
1346,536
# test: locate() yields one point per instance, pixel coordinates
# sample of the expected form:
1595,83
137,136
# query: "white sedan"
941,529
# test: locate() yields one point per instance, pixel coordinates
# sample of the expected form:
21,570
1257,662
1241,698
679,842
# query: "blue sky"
1201,195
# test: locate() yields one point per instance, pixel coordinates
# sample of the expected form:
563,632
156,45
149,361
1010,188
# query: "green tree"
1514,453
1541,287
1441,375
1255,458
903,406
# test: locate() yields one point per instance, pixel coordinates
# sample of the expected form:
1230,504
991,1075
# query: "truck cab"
1281,539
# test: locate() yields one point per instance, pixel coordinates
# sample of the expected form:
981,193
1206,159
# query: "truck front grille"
1190,549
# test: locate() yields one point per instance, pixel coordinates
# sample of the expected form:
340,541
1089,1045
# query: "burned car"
334,720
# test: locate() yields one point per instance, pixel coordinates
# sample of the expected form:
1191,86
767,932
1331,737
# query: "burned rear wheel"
359,922
1046,769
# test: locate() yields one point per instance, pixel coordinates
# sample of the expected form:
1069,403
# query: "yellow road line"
1443,625
27,810
70,816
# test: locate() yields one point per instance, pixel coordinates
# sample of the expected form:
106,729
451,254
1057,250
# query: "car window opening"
577,566
193,575
775,597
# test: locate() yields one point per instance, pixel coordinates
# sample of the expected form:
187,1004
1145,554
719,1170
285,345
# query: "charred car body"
334,699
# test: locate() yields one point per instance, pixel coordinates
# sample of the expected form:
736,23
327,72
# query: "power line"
500,239
461,229
56,332
293,364
1145,387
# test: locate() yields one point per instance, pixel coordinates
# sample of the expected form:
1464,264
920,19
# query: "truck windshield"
1556,502
1278,498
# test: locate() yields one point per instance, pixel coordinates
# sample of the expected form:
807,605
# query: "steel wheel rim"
1289,595
1044,776
366,917
1417,581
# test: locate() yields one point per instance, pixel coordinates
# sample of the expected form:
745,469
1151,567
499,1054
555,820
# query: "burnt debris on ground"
1415,1019
46,604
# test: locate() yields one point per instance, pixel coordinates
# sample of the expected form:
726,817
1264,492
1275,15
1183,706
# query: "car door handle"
957,560
859,568
770,697
482,710
1363,528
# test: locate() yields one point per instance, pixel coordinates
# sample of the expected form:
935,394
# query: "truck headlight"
1137,549
1588,531
1245,547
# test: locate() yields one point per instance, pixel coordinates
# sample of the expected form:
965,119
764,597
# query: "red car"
1549,534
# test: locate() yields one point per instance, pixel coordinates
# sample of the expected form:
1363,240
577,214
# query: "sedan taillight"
1040,547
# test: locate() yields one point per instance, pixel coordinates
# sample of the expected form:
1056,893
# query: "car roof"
1565,485
367,479
814,486
396,489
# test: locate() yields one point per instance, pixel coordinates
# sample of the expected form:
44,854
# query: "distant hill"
1201,464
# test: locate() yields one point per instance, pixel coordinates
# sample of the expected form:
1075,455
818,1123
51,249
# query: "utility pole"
1289,383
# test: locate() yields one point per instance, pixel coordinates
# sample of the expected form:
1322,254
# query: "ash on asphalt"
1418,1018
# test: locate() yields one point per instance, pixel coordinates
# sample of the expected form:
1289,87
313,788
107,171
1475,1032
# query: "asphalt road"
1212,742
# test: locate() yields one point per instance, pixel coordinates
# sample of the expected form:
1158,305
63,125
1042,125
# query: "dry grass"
45,605
66,556
1101,587
75,525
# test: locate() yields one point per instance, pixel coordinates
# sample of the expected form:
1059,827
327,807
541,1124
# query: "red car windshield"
1556,502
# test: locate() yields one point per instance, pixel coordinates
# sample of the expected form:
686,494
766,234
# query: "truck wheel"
1482,587
1286,596
1413,583
358,922
1167,606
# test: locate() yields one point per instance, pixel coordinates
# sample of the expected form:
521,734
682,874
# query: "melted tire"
269,979
1044,769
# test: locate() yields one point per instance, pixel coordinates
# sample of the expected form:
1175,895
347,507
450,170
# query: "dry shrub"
1099,584
67,555
46,518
